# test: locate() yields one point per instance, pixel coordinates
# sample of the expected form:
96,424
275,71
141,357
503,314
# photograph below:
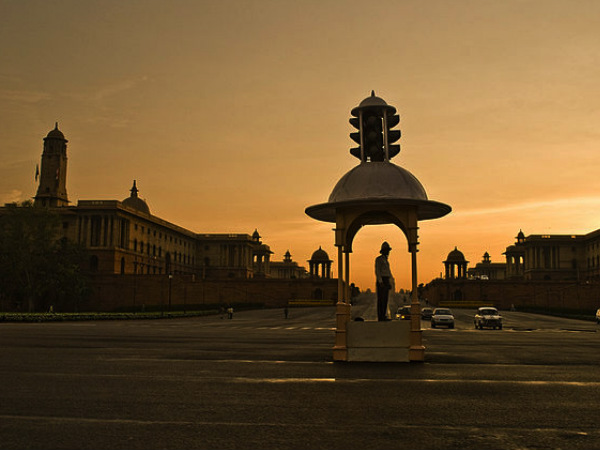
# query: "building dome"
55,133
133,201
378,184
320,255
455,256
378,181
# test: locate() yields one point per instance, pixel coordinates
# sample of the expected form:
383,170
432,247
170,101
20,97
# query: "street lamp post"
170,278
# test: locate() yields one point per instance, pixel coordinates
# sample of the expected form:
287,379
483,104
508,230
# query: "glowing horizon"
233,116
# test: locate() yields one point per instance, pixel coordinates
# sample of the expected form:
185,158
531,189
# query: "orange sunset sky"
233,115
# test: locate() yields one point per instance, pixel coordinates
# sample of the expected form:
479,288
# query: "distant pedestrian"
230,313
286,311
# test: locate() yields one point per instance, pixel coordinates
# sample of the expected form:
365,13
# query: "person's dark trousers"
383,290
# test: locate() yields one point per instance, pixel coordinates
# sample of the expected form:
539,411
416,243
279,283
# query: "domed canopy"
55,133
373,102
133,201
375,183
377,180
320,255
455,256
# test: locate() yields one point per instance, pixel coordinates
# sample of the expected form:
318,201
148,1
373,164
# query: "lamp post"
134,282
170,278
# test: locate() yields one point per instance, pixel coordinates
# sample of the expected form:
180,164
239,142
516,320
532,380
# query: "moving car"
442,316
487,317
426,313
403,313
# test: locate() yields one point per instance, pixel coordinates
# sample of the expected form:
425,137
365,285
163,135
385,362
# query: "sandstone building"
124,239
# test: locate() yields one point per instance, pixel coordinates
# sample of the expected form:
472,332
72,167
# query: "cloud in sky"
23,96
14,195
531,207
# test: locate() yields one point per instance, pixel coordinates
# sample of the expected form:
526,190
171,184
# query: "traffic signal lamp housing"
374,120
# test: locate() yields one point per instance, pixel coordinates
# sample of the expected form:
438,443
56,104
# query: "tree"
38,267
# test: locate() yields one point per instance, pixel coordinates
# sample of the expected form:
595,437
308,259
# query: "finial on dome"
134,190
373,93
56,125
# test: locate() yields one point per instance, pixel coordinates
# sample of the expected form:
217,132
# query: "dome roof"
136,203
133,201
371,102
55,133
378,184
320,255
455,256
377,181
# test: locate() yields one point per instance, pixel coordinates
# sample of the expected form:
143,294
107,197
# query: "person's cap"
385,246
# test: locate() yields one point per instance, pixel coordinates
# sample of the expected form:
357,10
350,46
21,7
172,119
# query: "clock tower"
52,190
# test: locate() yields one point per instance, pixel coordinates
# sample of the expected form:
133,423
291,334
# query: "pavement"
260,381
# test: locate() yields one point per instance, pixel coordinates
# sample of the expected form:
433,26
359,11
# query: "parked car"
426,313
403,313
487,317
442,316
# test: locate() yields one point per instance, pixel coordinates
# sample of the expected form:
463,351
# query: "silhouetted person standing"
384,281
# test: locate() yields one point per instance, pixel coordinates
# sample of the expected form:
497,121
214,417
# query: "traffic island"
375,341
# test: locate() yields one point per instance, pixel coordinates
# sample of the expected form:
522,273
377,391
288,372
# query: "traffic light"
354,121
373,135
392,135
374,119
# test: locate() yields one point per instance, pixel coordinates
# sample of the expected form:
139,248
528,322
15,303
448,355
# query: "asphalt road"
260,381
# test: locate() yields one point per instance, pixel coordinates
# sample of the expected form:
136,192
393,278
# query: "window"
94,263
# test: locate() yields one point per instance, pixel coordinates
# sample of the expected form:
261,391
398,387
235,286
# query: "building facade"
123,238
558,271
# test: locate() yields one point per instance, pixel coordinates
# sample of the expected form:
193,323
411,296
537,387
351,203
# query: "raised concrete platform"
378,341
